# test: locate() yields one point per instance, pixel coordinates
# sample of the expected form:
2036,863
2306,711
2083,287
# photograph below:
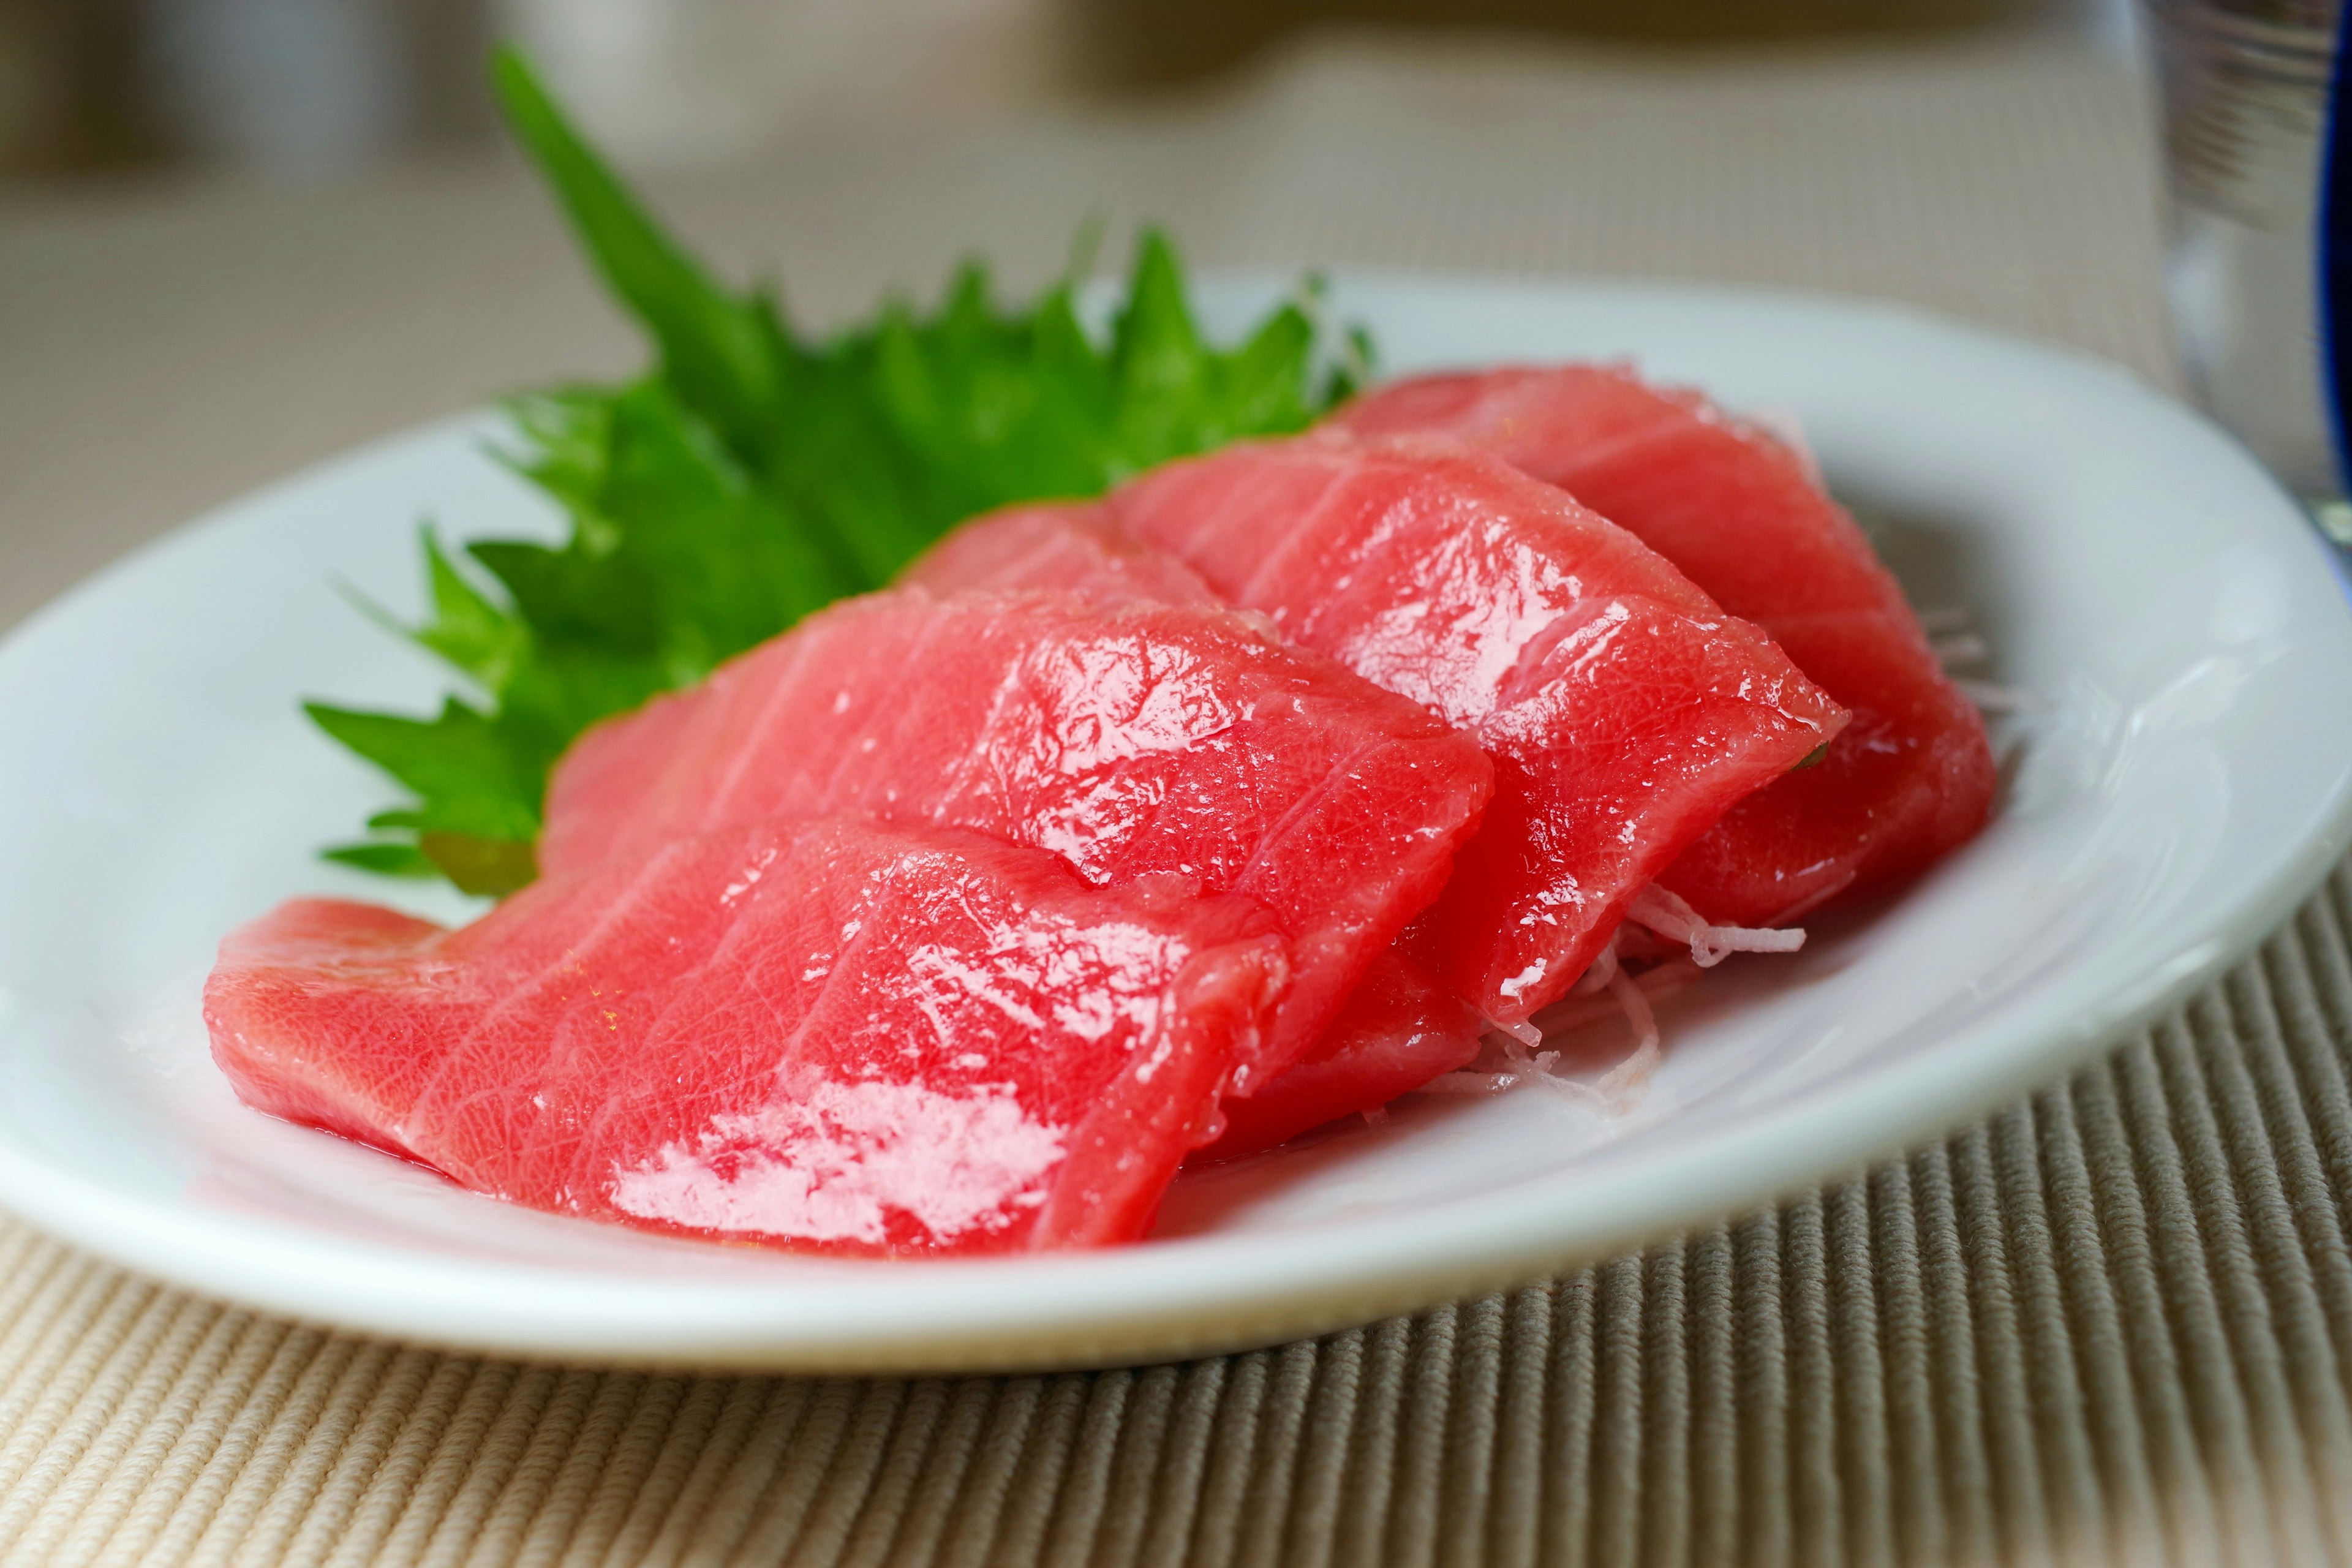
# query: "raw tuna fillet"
824,1034
1072,546
1400,1028
1909,780
1129,740
1625,711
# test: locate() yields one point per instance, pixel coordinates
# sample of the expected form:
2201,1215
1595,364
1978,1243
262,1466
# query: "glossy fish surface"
1129,740
822,1034
1624,709
1909,779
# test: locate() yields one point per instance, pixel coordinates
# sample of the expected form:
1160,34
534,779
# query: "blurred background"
320,90
238,237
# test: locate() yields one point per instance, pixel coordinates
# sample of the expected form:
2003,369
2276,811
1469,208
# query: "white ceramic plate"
2184,782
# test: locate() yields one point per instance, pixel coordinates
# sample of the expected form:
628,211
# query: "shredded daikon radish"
1542,1068
1955,644
1623,1083
1618,1090
1640,944
1529,1064
1995,699
1670,916
1375,1115
1599,973
1669,976
1469,1083
1524,1032
1575,1012
1960,648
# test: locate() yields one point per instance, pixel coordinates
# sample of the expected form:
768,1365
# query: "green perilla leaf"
753,475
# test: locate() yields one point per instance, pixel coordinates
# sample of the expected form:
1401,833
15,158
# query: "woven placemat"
2109,1324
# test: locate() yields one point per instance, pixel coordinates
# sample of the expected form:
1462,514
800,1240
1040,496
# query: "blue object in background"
2334,266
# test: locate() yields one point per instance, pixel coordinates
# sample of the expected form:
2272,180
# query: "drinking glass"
2249,118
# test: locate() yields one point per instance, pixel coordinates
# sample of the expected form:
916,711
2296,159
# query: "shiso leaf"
726,356
755,475
385,859
468,631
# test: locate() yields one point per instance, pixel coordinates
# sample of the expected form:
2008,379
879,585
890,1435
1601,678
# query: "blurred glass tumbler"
2260,269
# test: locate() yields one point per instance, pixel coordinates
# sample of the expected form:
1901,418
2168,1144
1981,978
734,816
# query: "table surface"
2110,1323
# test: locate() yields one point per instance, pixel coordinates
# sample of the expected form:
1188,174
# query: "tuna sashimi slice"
1130,739
1909,780
1625,711
1072,546
825,1033
1400,1028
